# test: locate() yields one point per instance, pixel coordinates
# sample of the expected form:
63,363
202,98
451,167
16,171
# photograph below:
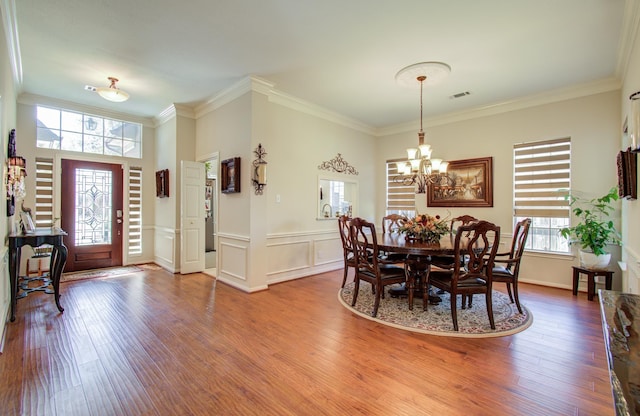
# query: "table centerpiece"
424,227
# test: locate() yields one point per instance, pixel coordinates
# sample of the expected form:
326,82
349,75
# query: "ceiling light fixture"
112,93
420,169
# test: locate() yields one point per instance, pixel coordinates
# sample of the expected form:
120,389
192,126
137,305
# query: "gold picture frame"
470,184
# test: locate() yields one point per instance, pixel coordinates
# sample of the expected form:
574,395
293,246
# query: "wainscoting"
286,256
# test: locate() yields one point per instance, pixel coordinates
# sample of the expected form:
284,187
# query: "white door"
192,214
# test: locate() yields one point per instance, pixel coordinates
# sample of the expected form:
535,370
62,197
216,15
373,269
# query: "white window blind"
400,197
135,211
44,193
542,178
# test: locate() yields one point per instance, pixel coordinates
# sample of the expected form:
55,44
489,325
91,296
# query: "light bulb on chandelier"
420,169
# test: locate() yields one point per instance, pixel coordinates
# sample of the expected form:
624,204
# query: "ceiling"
336,54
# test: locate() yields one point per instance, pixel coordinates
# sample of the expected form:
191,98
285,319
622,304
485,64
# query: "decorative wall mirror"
336,196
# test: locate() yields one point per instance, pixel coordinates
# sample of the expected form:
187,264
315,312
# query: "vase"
591,261
425,237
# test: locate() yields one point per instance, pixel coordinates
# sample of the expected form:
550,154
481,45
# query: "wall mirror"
336,196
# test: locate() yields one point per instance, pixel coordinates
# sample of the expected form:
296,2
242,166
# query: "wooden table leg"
576,279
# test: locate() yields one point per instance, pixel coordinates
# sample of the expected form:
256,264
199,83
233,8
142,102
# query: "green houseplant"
595,229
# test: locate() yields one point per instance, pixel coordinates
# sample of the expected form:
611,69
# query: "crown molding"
245,85
8,10
173,111
165,115
630,24
33,99
548,97
298,104
262,86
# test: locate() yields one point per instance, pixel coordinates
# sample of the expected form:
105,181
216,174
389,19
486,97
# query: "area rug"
472,323
92,274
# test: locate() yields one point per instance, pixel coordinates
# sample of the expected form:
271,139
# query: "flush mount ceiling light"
111,93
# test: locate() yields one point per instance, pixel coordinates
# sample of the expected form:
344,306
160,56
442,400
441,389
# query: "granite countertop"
621,336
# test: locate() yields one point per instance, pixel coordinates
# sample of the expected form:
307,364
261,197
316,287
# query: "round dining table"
398,243
419,255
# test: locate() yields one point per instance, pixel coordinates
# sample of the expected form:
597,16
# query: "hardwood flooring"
154,343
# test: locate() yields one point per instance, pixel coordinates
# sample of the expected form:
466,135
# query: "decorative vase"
423,237
591,261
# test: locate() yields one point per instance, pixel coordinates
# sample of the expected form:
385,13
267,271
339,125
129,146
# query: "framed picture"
627,181
162,183
230,175
470,184
27,222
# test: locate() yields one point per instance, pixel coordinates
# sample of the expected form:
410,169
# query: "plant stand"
591,279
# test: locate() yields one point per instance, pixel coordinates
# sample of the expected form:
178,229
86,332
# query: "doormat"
92,274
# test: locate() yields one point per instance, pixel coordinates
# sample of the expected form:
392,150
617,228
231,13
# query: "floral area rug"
92,274
473,322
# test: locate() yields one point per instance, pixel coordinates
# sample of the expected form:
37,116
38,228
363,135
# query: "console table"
58,260
621,338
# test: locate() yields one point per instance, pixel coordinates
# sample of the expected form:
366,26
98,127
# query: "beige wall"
273,237
592,122
631,208
8,116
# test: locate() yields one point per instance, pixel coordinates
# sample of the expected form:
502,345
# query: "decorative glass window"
86,133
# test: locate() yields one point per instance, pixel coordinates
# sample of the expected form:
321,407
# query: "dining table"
419,254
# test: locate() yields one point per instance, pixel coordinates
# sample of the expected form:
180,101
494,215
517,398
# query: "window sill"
550,254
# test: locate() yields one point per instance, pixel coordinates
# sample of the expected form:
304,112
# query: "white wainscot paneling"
631,276
328,250
288,256
233,260
165,249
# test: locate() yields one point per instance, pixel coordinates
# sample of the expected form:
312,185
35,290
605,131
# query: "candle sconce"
15,171
259,177
634,123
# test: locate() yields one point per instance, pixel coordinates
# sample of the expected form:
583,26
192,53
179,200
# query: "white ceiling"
338,54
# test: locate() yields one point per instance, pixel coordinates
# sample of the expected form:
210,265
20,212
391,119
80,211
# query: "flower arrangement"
425,227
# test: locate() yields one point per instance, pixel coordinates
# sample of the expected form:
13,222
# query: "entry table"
591,279
58,260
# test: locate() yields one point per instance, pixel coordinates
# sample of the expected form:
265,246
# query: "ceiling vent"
460,95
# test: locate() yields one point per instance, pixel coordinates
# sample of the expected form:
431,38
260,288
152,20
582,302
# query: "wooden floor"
154,343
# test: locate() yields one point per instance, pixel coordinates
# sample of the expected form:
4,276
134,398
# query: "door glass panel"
93,207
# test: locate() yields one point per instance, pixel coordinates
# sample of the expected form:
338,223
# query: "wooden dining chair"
475,248
391,224
507,265
347,246
368,265
446,262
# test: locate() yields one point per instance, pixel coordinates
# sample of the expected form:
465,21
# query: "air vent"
460,95
90,88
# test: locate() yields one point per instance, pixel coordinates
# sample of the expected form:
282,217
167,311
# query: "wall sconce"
259,177
634,124
15,173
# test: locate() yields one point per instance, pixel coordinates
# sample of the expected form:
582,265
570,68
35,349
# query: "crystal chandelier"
420,169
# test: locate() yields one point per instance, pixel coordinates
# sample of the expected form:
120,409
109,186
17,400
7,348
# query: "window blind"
44,193
135,211
542,178
400,197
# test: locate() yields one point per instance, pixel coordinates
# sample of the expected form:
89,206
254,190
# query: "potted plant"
595,230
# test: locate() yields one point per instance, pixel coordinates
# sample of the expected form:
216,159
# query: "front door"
91,213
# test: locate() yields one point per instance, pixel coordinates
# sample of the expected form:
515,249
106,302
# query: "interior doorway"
211,216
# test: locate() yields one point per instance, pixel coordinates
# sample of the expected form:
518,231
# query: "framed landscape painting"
469,183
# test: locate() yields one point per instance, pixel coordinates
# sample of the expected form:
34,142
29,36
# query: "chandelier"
420,169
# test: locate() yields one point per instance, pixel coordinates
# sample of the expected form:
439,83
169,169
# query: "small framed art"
230,175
